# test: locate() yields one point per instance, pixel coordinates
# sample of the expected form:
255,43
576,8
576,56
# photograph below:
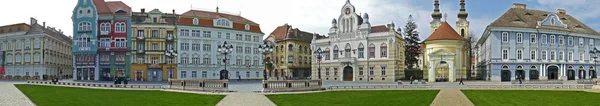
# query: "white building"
200,32
357,51
35,50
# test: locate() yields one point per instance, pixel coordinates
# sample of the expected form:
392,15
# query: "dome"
366,16
334,21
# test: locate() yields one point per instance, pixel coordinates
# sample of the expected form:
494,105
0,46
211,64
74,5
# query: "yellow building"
446,54
291,54
153,33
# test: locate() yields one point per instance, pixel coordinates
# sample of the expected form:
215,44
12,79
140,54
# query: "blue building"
532,44
85,41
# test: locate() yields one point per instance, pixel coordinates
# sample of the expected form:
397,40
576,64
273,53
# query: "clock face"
347,11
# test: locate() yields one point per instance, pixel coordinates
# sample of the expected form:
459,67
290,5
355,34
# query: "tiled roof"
138,17
444,32
214,15
115,6
281,31
528,18
101,7
380,28
14,28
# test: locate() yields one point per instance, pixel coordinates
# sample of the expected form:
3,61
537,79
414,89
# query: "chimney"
173,11
519,6
43,24
561,11
143,10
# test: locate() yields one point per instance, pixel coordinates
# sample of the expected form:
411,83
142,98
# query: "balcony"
141,51
140,38
154,66
104,32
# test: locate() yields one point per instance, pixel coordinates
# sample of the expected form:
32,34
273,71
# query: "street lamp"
225,50
594,53
319,55
171,54
265,49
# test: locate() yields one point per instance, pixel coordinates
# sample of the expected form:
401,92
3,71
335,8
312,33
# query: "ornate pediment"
552,20
441,52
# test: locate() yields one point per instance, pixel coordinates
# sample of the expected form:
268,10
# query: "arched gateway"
348,73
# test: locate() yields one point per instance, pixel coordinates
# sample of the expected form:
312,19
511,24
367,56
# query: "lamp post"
594,53
265,49
171,54
225,50
319,55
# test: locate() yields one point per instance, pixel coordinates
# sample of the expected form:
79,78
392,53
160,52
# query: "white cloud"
584,10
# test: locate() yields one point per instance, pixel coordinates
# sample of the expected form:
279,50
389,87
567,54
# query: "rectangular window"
184,60
371,71
505,37
204,74
184,32
206,34
561,40
247,74
140,33
561,55
326,71
533,38
570,56
194,74
505,54
37,43
519,54
581,56
533,54
105,42
206,60
256,38
257,74
552,39
544,55
248,38
239,49
154,33
570,41
185,46
238,36
360,70
140,46
206,47
382,70
519,37
154,46
371,52
552,55
227,35
543,39
581,42
218,34
183,74
248,50
361,53
335,71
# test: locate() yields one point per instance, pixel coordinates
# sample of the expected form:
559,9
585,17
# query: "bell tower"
436,15
462,25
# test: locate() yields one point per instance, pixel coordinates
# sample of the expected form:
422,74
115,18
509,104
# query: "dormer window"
195,21
247,27
223,23
80,11
89,11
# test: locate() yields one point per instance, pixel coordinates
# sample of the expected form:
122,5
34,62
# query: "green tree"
411,43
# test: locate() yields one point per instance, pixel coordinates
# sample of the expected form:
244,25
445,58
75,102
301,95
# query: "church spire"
463,12
436,15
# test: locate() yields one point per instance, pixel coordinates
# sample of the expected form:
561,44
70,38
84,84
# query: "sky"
310,15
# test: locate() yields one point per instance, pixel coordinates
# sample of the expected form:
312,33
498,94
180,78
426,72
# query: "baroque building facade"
35,50
102,35
446,52
154,33
357,51
200,32
291,53
530,44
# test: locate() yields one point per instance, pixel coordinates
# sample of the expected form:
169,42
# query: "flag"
2,71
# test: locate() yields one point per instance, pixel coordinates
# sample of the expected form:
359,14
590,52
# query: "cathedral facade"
357,51
446,51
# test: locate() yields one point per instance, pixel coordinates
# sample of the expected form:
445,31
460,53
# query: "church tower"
462,25
436,15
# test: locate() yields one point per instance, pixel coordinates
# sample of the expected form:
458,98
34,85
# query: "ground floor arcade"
513,72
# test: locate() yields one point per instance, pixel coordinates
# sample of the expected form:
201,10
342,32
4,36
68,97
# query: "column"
452,71
527,74
431,73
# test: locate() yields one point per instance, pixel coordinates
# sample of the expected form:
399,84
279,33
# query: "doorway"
593,74
534,75
582,74
348,73
505,75
552,72
570,75
520,74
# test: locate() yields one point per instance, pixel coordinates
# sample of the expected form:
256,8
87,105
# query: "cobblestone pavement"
451,97
11,96
246,99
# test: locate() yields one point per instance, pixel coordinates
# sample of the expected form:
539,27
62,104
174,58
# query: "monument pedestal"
596,84
544,78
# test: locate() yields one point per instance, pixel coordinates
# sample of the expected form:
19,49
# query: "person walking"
411,79
461,81
520,80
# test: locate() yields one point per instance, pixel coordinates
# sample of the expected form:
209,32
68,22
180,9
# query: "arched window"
306,49
371,50
105,27
122,27
361,51
533,68
347,50
383,50
505,67
195,21
281,47
336,50
299,48
84,26
290,47
519,67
